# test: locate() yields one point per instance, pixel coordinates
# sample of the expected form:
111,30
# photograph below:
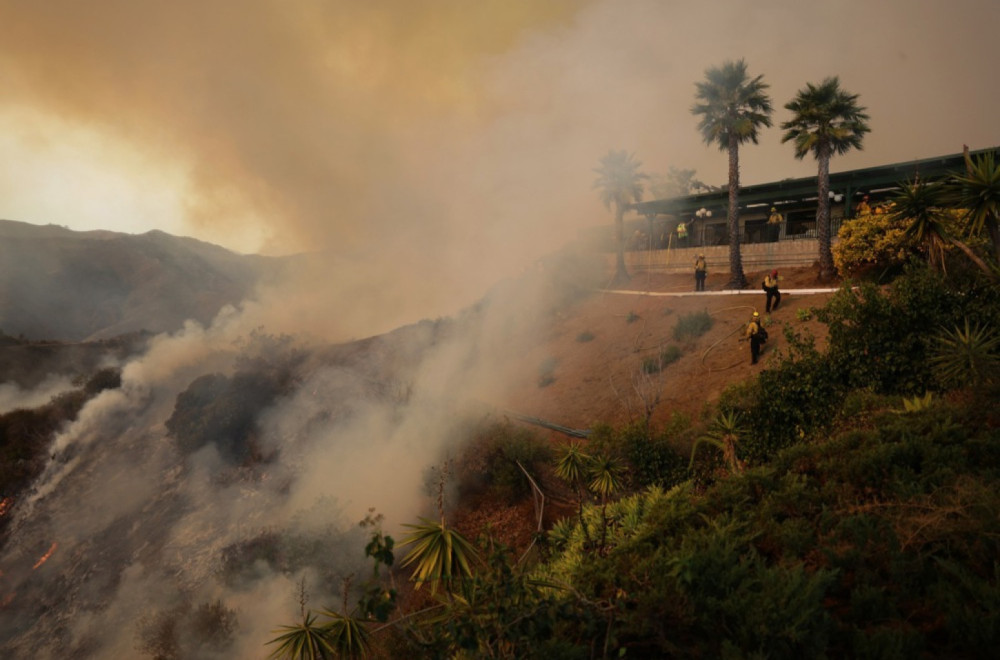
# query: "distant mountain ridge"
60,284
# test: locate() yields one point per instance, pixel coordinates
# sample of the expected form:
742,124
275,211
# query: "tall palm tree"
620,183
826,120
733,108
978,193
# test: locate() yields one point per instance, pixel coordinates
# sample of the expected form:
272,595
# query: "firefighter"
757,335
770,286
700,271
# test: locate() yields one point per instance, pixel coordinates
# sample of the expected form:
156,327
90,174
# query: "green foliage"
966,356
804,313
490,462
724,434
585,336
439,555
632,317
669,355
693,325
307,640
872,242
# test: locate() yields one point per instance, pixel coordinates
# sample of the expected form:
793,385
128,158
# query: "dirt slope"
602,379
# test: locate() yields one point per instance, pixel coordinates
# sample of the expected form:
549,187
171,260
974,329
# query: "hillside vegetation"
842,503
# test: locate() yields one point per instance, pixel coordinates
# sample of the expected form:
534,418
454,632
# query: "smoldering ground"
150,529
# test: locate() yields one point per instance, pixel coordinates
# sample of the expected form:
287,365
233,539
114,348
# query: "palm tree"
733,108
922,205
826,120
620,182
978,193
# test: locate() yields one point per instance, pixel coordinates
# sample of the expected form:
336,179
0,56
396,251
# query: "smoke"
426,150
12,396
146,533
420,152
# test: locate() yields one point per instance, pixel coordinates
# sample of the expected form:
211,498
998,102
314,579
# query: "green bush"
585,336
654,365
693,325
489,462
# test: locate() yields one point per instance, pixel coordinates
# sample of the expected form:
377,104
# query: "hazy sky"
449,135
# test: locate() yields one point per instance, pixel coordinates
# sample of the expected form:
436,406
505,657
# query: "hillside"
601,379
65,285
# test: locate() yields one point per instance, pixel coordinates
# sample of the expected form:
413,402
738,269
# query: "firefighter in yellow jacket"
700,272
770,286
757,335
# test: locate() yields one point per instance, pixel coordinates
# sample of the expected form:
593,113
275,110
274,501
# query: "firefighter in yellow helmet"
700,272
757,335
770,286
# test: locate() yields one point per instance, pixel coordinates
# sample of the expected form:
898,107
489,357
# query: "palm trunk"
737,280
972,256
621,274
826,268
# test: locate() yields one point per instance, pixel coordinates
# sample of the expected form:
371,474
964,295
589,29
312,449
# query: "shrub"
653,365
489,462
691,326
632,317
871,241
585,336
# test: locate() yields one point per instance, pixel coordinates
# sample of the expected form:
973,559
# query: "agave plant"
966,356
440,555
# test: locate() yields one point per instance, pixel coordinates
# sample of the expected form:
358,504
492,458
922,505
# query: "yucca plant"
305,641
346,635
724,434
605,476
572,468
966,356
440,555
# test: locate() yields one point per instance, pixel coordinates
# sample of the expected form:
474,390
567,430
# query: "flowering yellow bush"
871,239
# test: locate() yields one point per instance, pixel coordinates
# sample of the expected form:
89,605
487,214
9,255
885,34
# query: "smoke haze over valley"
298,244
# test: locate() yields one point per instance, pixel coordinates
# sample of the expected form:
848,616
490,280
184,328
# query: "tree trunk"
826,268
737,280
621,274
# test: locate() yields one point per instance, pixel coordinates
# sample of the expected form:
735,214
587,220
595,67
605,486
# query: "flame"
5,505
45,557
6,601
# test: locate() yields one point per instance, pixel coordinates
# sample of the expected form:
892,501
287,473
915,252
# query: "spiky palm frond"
440,555
346,635
978,190
572,465
305,641
605,475
825,120
966,356
724,434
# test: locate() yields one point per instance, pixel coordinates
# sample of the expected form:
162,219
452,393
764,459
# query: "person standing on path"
700,271
770,286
